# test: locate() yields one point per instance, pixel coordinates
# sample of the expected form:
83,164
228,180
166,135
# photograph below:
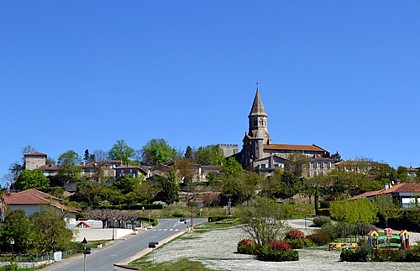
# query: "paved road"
103,259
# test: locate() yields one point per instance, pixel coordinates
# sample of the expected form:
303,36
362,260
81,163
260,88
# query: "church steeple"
257,107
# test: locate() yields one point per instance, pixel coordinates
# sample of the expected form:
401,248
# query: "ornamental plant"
280,245
247,246
295,234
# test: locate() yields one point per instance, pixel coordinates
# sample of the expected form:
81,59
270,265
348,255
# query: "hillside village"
214,175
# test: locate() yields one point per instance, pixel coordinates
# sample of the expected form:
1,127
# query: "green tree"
209,155
402,175
157,151
296,163
121,151
89,192
263,221
231,167
186,168
169,187
32,179
69,158
51,231
388,207
17,226
189,153
337,157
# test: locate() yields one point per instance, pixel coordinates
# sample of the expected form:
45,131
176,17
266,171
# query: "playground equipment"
389,240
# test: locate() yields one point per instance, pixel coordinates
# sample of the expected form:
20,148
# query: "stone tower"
257,136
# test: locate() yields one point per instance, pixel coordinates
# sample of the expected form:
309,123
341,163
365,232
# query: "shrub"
299,243
320,237
10,267
413,254
279,245
246,246
360,254
296,243
268,254
320,221
177,214
387,255
295,234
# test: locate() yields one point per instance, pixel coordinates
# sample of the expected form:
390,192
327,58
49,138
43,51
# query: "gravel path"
217,250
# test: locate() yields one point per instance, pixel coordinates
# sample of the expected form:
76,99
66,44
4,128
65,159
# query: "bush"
320,237
279,245
295,234
10,267
413,254
246,246
268,254
320,221
387,255
299,243
360,254
177,214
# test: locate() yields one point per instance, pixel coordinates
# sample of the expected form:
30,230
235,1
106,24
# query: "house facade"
33,200
407,194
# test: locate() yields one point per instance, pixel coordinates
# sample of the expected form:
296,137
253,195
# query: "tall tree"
121,151
209,155
51,231
100,155
86,156
32,179
69,158
17,226
388,208
188,153
157,151
296,163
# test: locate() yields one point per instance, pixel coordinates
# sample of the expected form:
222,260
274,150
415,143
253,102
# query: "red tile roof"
290,147
398,188
50,167
33,197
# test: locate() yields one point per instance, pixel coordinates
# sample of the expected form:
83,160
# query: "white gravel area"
217,250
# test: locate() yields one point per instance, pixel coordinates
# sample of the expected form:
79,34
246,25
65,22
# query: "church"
259,154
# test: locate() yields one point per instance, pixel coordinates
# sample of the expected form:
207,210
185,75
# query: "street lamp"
12,243
113,227
84,243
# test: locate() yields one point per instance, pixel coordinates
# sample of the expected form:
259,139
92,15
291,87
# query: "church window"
315,173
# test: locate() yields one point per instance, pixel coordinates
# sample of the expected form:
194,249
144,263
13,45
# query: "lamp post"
113,228
84,243
12,243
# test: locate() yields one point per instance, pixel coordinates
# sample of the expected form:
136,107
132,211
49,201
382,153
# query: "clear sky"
83,74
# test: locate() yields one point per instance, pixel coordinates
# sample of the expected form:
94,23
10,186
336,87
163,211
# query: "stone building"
261,155
34,160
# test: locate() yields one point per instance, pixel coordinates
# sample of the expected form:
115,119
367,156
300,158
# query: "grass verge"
181,265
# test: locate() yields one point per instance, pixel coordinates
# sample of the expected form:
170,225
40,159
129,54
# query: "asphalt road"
103,259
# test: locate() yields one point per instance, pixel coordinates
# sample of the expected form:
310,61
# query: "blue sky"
82,74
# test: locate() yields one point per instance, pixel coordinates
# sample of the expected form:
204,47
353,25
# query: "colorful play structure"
389,240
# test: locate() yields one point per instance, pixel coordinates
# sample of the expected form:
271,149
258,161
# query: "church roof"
290,147
257,107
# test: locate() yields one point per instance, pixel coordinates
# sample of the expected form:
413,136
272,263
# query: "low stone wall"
100,234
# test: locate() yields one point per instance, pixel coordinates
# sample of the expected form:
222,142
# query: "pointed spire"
257,106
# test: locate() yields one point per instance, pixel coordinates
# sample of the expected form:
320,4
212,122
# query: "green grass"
181,265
